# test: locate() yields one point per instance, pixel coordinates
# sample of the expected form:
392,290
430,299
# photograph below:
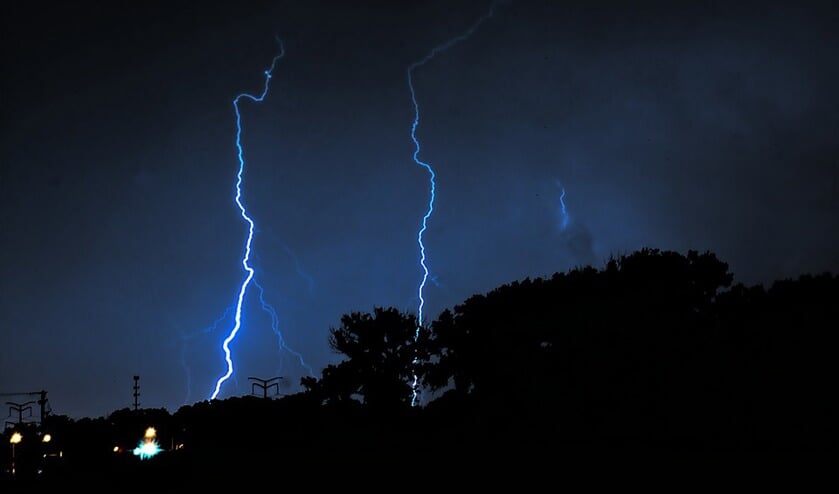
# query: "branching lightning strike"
247,254
432,175
184,338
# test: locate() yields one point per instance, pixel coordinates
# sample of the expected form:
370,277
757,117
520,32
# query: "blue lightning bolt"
248,220
432,176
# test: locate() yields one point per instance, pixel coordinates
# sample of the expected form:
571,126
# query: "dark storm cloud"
702,109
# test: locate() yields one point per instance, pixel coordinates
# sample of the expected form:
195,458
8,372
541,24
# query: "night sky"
712,127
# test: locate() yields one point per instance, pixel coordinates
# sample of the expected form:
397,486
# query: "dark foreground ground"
526,466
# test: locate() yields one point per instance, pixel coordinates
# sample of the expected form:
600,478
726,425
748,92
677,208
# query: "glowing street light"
148,446
16,438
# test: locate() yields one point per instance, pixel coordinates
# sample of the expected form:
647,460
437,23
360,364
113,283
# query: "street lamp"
16,438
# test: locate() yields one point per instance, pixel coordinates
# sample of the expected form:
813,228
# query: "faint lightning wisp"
250,271
432,176
563,210
275,327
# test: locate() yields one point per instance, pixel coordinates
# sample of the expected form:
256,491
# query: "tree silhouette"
610,350
380,351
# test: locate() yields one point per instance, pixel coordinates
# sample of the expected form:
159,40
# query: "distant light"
47,438
148,446
16,438
146,449
116,449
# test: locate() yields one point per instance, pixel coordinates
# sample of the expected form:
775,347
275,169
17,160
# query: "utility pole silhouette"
19,408
42,401
265,384
136,392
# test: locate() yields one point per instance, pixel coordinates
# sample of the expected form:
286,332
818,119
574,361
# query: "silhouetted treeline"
656,351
